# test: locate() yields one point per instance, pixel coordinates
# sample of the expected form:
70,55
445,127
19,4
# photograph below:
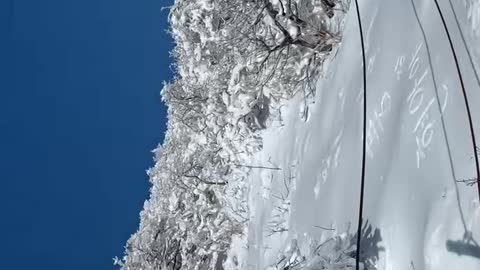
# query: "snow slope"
418,216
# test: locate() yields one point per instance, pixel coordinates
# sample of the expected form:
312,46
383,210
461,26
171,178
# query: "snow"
261,163
474,16
424,218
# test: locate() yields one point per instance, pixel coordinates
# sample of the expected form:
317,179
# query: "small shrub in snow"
334,254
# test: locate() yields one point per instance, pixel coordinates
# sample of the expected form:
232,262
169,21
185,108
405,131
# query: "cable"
447,143
467,106
364,146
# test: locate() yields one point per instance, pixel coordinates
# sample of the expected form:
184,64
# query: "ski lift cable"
444,129
465,97
364,144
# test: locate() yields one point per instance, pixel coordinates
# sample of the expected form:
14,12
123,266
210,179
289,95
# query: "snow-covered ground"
418,216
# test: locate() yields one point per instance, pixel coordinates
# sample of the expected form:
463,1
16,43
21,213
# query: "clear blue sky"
80,111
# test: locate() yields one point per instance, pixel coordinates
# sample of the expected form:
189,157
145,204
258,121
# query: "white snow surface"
422,217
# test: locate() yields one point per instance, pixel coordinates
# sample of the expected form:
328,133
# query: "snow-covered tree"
232,58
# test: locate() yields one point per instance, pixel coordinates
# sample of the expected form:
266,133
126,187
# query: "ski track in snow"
411,195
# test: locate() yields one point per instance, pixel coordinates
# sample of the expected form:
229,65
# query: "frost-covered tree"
233,59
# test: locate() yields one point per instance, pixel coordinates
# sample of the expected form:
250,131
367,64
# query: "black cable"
445,134
473,68
364,146
467,105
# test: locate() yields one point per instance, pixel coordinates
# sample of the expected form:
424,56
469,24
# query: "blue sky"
79,113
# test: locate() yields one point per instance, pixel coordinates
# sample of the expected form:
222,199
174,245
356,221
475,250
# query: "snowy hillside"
418,216
261,166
